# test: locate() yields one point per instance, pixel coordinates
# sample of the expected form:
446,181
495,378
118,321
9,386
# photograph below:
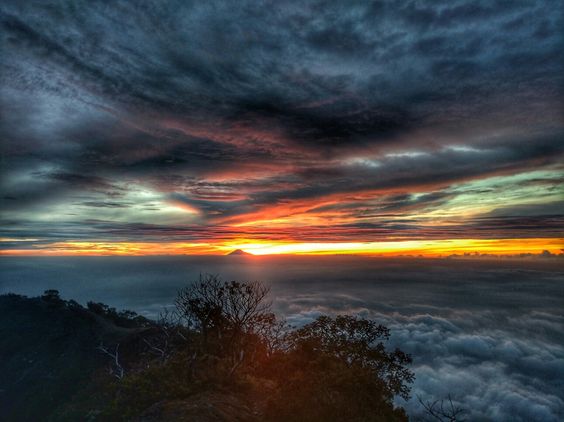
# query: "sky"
380,128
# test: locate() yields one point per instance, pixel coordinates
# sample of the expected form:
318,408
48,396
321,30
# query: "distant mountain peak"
239,252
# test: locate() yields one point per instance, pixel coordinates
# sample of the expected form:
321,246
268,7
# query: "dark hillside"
221,355
48,350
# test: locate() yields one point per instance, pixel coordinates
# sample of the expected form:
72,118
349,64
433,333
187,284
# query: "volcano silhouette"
239,252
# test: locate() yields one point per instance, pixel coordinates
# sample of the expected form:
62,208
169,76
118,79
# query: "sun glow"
433,248
423,248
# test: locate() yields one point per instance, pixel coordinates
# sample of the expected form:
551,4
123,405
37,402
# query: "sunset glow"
282,140
262,210
430,248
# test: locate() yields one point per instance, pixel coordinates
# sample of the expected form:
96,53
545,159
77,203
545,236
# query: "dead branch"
443,410
116,369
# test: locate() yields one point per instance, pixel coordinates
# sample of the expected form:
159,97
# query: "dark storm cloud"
334,124
78,180
97,204
291,66
232,108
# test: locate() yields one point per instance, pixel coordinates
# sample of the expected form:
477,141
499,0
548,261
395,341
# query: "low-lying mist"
490,333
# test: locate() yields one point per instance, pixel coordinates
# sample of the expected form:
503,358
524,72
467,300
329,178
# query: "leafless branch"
115,367
443,410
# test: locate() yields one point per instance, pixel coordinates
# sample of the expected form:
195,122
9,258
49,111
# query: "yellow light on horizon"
426,248
412,247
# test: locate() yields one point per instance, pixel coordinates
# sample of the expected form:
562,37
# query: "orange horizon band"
425,248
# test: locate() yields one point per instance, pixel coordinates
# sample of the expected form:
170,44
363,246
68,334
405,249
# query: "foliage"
52,297
125,318
222,337
50,359
212,305
140,389
331,369
338,369
357,343
233,320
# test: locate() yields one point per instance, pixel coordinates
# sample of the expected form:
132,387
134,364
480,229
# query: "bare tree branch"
116,368
443,410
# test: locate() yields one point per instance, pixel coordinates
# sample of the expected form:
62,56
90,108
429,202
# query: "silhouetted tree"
338,369
52,296
233,317
212,303
125,318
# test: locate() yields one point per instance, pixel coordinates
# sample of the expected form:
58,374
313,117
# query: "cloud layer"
489,333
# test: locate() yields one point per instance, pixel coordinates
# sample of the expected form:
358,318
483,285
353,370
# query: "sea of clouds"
489,334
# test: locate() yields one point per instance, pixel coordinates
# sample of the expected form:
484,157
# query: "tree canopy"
333,368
